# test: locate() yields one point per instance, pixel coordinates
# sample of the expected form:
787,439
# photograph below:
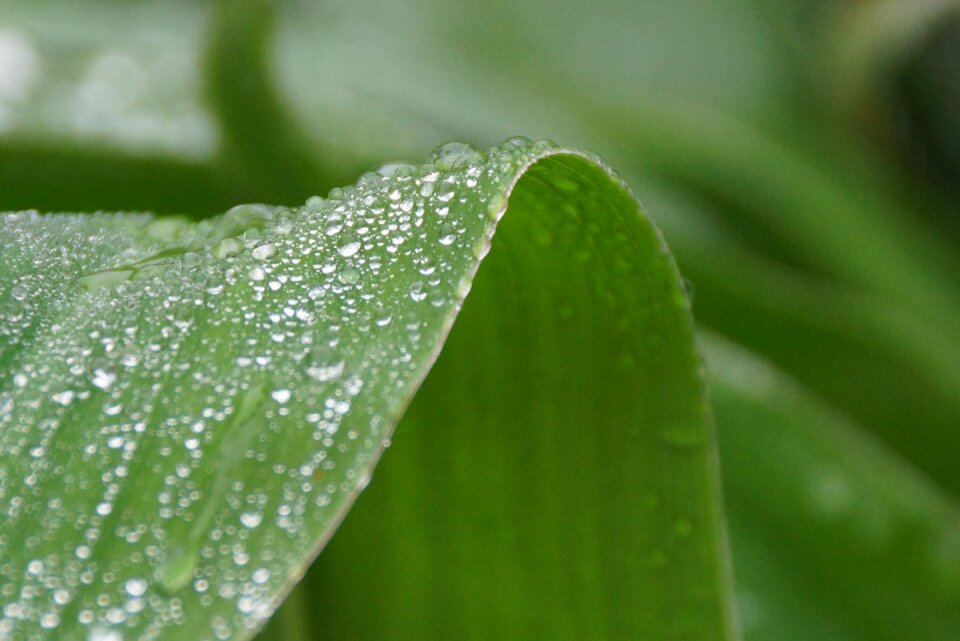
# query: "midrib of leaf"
572,390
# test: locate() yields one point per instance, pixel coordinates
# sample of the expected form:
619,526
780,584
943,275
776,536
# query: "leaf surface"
187,409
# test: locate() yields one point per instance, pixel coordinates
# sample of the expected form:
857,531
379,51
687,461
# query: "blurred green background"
802,158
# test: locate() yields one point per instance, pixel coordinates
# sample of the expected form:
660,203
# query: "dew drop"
448,234
135,587
417,292
315,203
244,217
226,247
251,519
280,395
50,620
517,142
323,364
391,169
349,246
63,398
105,278
176,570
103,378
263,251
455,155
349,276
283,222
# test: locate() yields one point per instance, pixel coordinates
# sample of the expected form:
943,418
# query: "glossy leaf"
188,409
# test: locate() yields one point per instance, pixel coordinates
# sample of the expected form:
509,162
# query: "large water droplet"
516,142
455,155
176,570
104,378
263,251
243,218
392,169
281,395
105,278
226,247
323,363
349,245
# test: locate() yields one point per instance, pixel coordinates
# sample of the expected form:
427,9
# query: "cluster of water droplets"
186,407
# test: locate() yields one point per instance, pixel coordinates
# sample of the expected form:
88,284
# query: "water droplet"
104,378
349,246
280,395
544,144
455,155
349,276
323,364
176,570
135,587
448,234
517,142
242,218
391,169
105,278
50,620
263,251
63,398
315,203
283,222
20,292
227,247
251,519
417,292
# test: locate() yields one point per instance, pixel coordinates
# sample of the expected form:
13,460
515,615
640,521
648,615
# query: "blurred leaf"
858,351
265,143
386,77
708,99
188,409
100,106
865,546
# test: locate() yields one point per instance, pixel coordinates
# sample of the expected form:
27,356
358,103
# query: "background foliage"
802,159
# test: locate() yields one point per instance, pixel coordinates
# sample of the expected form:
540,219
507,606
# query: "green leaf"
836,535
885,363
187,410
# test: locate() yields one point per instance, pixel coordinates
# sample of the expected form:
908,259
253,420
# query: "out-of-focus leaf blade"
864,545
188,409
861,351
101,107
